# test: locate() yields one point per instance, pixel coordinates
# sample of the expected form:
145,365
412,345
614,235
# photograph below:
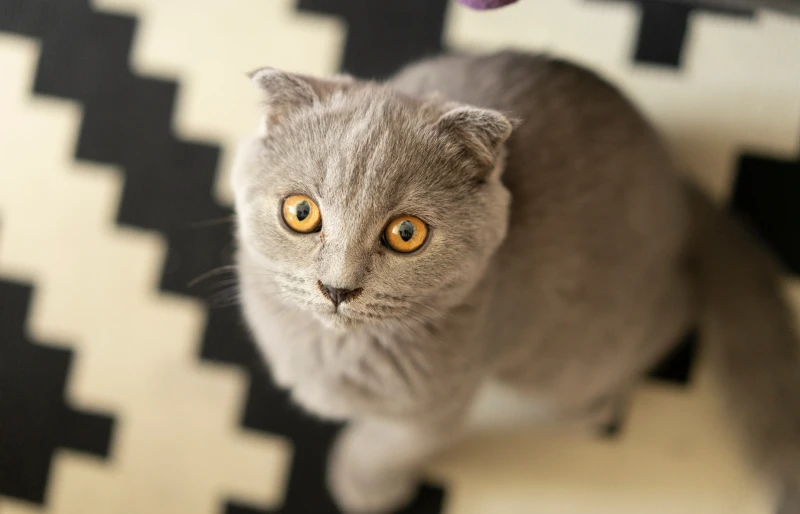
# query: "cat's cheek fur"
260,323
246,160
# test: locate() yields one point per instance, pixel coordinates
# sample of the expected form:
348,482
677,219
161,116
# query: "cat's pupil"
302,210
405,230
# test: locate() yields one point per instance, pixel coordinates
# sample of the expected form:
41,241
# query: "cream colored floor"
740,88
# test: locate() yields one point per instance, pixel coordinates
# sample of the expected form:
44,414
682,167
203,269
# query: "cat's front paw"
357,490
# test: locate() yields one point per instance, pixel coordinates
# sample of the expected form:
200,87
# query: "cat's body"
577,307
563,260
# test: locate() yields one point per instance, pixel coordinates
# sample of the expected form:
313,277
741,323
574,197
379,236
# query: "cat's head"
363,206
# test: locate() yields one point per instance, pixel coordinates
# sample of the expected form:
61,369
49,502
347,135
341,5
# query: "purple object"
485,4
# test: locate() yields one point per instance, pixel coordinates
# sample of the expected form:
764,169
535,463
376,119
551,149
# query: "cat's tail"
750,335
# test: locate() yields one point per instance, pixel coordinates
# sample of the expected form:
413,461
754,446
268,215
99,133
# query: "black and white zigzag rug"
126,389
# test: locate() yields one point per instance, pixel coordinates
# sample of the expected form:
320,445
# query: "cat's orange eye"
301,214
405,234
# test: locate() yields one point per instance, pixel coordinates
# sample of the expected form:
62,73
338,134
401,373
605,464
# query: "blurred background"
127,383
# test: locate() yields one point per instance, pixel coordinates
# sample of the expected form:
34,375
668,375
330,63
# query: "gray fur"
562,260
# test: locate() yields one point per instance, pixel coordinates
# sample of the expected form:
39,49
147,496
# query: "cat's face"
340,163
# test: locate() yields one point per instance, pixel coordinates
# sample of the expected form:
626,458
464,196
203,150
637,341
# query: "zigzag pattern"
35,419
126,122
766,194
169,186
381,37
155,133
664,29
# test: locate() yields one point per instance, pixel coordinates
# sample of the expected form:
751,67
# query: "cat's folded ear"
479,132
286,92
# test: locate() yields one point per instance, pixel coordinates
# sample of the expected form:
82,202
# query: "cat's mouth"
346,316
340,320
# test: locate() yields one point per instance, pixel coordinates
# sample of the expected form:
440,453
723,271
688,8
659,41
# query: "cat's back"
568,116
518,83
482,80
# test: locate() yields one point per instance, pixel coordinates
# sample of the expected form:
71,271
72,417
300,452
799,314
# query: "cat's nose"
337,295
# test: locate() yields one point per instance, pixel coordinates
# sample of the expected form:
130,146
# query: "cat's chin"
339,321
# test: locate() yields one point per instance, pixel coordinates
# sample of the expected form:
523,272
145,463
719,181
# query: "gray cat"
402,243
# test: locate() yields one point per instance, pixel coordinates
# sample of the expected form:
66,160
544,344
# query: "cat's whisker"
287,307
411,328
220,289
223,298
429,308
419,317
287,294
212,222
419,360
407,329
409,299
431,336
229,295
211,273
271,273
425,318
